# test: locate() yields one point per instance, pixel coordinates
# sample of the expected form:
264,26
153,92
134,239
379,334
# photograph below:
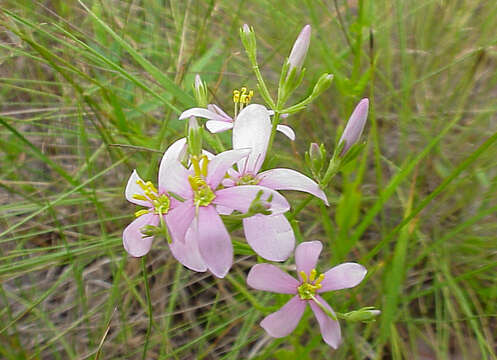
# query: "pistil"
307,290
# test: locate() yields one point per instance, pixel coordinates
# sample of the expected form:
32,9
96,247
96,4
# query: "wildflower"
300,47
219,121
138,236
272,236
195,221
269,277
355,125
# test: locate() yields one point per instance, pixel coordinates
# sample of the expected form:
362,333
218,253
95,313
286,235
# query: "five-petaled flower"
306,290
194,223
219,121
271,237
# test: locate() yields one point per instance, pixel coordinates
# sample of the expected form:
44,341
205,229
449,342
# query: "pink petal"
172,174
343,276
240,198
133,241
285,320
330,329
288,179
306,256
287,131
223,210
179,219
133,188
271,278
270,236
187,253
219,111
174,178
200,112
216,126
252,130
214,241
219,165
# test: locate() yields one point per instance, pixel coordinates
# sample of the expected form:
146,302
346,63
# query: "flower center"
247,179
202,193
242,97
307,290
160,203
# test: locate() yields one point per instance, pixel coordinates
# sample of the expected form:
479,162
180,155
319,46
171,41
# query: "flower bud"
322,85
300,47
316,157
200,91
247,35
194,137
355,126
364,314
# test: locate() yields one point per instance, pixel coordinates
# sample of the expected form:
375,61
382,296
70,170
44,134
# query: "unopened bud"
364,314
194,137
316,158
247,35
149,230
300,47
355,126
200,91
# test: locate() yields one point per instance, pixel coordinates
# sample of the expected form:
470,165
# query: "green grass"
91,90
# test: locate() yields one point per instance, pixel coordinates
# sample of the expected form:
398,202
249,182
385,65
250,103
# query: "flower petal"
187,253
179,219
330,329
216,126
216,109
268,277
174,178
343,276
171,160
288,179
133,241
133,188
285,320
355,125
270,236
214,241
201,113
252,130
306,256
287,131
219,165
240,198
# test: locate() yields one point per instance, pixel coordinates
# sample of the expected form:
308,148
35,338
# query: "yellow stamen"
140,197
303,275
141,212
312,275
307,290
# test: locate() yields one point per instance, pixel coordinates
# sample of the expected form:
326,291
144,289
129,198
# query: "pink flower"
268,277
272,236
219,121
194,224
355,125
158,202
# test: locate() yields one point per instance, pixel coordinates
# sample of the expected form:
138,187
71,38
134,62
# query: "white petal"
287,131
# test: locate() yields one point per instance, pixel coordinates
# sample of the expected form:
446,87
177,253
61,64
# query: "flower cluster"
197,189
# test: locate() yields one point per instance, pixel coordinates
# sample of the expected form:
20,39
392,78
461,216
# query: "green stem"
322,307
262,85
276,120
149,303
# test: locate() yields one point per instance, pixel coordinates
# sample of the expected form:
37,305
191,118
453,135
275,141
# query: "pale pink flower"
219,121
194,224
355,125
271,237
306,289
157,202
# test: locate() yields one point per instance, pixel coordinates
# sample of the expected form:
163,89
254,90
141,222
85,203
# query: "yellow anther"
318,281
141,184
236,96
140,197
141,212
150,195
205,164
303,275
151,187
312,275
